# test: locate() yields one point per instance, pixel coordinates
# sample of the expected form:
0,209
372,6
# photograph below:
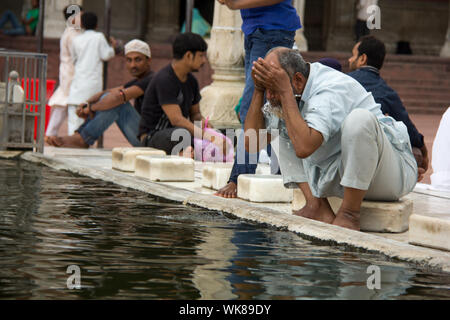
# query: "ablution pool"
129,245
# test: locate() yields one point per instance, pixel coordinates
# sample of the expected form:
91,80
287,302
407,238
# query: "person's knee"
358,122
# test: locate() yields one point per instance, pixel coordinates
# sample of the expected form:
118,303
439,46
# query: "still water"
129,245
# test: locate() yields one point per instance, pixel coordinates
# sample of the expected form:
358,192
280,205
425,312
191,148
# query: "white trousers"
368,161
57,117
74,121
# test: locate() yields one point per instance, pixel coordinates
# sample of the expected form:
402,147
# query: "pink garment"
66,68
207,151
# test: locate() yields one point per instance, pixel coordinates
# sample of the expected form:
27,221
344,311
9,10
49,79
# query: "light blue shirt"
328,98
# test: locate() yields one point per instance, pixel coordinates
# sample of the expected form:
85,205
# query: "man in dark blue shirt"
365,64
266,24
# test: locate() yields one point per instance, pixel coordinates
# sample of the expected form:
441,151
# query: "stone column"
226,56
55,23
300,39
445,52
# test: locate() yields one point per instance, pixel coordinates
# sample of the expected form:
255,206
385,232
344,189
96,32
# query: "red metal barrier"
32,93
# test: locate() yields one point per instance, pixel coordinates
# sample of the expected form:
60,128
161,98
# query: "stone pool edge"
423,257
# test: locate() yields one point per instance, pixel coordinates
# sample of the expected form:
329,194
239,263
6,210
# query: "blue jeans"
256,45
17,28
126,117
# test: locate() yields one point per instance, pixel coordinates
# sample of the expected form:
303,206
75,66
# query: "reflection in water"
131,246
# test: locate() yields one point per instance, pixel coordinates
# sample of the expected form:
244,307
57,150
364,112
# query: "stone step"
165,168
124,159
420,90
376,216
216,176
430,231
263,188
429,107
426,97
413,81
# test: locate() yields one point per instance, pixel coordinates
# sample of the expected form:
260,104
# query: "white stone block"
165,168
392,217
430,231
124,159
263,169
376,216
216,176
263,188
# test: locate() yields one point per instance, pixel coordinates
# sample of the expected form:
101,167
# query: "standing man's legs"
57,117
256,45
74,122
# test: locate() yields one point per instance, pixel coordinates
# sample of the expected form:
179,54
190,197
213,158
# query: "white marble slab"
263,188
124,159
165,168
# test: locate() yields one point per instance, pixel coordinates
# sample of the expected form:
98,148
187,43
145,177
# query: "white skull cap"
138,46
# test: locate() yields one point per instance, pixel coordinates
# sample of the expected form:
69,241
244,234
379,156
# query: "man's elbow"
302,152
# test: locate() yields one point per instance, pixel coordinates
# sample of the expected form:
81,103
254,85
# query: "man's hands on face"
270,76
258,84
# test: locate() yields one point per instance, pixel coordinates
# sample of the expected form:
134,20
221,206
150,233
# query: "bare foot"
74,141
347,219
53,141
319,210
229,191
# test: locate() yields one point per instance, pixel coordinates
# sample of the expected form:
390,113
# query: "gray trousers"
367,161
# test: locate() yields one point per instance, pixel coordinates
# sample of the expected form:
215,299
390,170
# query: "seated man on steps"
107,107
333,138
365,64
171,111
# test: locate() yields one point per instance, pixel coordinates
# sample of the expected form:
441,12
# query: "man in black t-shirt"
107,107
171,110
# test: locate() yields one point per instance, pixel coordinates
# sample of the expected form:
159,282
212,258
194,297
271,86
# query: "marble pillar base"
218,102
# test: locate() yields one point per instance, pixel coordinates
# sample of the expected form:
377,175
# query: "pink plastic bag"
207,151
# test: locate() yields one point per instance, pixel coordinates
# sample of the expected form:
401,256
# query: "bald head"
290,60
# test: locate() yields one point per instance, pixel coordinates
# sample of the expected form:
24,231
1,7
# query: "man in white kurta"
58,101
334,140
89,50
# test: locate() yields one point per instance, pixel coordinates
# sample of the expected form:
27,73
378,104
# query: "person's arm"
176,118
305,140
248,4
196,115
255,118
106,51
116,97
